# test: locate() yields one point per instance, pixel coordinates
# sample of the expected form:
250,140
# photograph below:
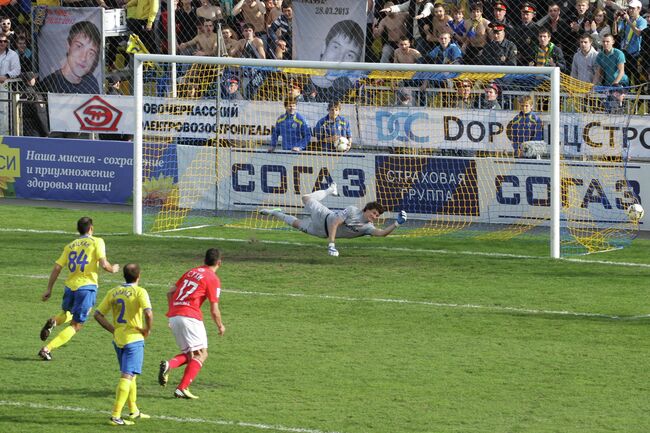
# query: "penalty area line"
259,426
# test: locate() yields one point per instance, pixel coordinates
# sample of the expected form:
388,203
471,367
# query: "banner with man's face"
70,47
329,30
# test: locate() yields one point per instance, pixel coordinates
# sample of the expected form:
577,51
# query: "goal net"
465,152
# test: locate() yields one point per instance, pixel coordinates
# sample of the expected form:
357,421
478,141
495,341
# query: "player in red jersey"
186,320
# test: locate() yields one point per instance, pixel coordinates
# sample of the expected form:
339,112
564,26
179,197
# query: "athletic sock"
62,317
178,360
320,194
192,369
63,337
121,394
283,216
133,396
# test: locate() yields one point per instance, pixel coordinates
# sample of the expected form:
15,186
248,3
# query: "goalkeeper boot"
119,421
270,211
163,373
45,354
47,328
137,415
184,393
333,189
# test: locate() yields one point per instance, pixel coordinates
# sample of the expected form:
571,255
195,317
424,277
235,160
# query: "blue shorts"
130,357
79,302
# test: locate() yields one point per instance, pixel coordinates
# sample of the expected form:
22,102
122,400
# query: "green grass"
397,335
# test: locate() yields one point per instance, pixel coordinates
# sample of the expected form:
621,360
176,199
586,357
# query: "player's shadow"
22,358
166,393
91,422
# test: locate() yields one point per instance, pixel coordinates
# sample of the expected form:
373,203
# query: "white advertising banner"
197,182
521,192
250,179
486,130
481,190
388,127
183,118
111,114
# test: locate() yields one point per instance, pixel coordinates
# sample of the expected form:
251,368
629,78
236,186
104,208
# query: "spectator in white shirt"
9,68
583,66
9,61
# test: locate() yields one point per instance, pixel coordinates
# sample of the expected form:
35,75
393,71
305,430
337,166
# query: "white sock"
289,219
320,194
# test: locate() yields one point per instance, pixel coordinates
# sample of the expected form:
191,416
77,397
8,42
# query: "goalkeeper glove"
401,218
331,250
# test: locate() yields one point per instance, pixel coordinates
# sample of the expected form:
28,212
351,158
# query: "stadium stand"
263,29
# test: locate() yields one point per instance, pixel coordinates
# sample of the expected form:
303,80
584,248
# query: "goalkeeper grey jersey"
354,224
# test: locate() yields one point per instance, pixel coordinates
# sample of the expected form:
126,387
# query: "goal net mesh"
432,144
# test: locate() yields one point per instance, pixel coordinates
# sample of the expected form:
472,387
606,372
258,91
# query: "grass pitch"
397,335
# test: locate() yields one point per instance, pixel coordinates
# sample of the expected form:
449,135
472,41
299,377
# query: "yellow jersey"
81,257
126,303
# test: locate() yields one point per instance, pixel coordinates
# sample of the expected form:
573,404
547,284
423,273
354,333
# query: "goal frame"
552,72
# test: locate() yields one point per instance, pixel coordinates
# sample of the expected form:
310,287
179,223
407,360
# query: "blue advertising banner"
423,185
83,170
65,169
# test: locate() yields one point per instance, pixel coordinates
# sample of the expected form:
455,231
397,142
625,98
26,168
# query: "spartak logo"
97,115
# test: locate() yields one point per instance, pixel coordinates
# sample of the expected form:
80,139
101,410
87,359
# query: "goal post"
202,78
555,163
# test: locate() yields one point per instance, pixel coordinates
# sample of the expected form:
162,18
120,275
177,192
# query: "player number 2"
191,287
120,317
77,259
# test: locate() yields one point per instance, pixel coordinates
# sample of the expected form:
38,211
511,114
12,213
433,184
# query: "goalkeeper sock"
121,394
192,369
288,219
63,337
133,396
320,194
178,360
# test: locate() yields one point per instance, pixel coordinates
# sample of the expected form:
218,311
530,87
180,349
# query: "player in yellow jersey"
82,257
127,304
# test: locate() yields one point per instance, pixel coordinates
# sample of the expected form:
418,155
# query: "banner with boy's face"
70,47
331,30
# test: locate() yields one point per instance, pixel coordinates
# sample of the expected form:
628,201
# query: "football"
342,144
635,212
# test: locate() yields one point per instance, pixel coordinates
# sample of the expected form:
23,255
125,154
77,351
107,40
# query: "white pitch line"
404,249
502,309
430,304
56,232
413,250
258,426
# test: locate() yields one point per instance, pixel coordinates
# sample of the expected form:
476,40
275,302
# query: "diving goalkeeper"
351,222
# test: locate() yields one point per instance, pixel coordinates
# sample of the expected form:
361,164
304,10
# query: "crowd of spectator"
601,42
604,42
